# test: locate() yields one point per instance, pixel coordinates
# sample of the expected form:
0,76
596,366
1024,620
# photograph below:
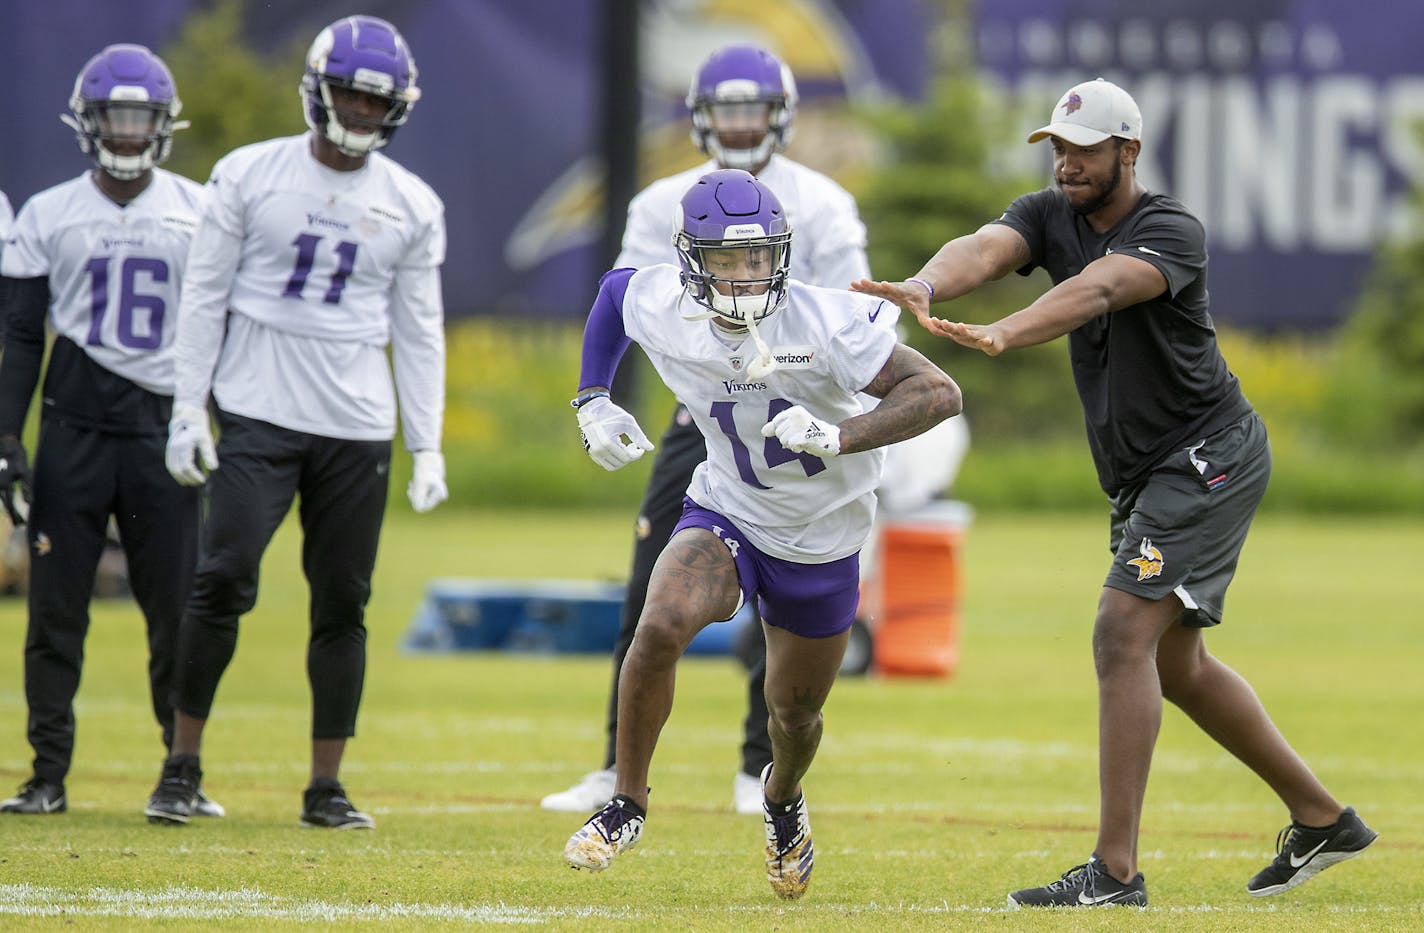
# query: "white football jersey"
829,345
319,269
7,219
827,236
114,272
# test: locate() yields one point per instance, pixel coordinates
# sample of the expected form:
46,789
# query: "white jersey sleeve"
114,272
7,219
329,266
829,346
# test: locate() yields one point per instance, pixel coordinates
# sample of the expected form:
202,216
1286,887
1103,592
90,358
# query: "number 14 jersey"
829,344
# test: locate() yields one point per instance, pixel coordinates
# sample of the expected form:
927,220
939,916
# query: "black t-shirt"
1150,376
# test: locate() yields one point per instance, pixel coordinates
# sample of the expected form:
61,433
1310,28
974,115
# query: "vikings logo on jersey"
1150,563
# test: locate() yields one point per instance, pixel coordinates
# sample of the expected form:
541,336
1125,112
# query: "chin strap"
759,368
764,363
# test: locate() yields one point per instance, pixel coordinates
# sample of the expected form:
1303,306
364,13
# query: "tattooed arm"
915,396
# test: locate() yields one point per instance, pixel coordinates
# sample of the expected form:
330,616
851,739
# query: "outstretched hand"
910,296
984,337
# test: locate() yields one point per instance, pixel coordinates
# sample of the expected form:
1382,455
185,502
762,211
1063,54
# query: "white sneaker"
746,793
591,792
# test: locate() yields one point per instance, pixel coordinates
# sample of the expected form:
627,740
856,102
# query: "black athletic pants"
342,487
680,450
81,477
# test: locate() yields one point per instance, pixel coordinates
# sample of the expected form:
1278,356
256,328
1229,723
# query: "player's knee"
796,721
660,638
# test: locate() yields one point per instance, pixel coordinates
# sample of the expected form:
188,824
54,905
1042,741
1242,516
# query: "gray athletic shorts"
1181,530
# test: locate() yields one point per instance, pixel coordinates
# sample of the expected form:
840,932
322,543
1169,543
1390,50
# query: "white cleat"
789,853
608,833
591,792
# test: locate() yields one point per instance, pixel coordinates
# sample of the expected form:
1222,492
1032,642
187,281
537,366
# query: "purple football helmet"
732,230
361,53
125,93
745,93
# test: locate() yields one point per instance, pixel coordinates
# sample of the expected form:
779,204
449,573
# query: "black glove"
14,471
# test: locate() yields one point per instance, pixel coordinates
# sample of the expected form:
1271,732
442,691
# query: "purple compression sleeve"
604,340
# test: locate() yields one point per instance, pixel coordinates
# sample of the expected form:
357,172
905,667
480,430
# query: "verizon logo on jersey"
796,357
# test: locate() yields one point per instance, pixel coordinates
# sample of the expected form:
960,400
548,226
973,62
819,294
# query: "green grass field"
930,798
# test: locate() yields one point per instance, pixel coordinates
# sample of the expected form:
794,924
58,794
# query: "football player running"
315,252
101,255
769,370
742,101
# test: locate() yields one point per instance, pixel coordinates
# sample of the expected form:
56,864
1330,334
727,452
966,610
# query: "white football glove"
190,455
427,481
602,426
799,432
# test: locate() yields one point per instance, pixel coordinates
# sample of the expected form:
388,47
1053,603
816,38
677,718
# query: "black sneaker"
36,796
203,805
1302,852
326,805
171,802
1086,885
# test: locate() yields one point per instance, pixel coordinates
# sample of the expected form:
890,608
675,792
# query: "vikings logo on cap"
1073,104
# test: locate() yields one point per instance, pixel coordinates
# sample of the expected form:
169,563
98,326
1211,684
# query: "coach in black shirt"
1181,454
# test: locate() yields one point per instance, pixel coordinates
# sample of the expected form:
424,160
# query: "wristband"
585,398
928,287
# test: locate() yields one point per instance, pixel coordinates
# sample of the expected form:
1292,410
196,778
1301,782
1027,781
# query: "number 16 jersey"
114,271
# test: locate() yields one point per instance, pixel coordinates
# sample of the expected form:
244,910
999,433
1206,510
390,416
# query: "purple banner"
1292,129
507,127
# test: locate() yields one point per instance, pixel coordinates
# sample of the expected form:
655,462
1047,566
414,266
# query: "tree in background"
1376,395
231,94
940,180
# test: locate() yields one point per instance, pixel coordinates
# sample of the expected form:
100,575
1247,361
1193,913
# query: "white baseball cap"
1091,112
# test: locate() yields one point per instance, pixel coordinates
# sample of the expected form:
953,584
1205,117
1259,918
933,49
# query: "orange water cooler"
911,595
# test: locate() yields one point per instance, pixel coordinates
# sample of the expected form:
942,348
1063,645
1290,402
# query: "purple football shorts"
810,600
